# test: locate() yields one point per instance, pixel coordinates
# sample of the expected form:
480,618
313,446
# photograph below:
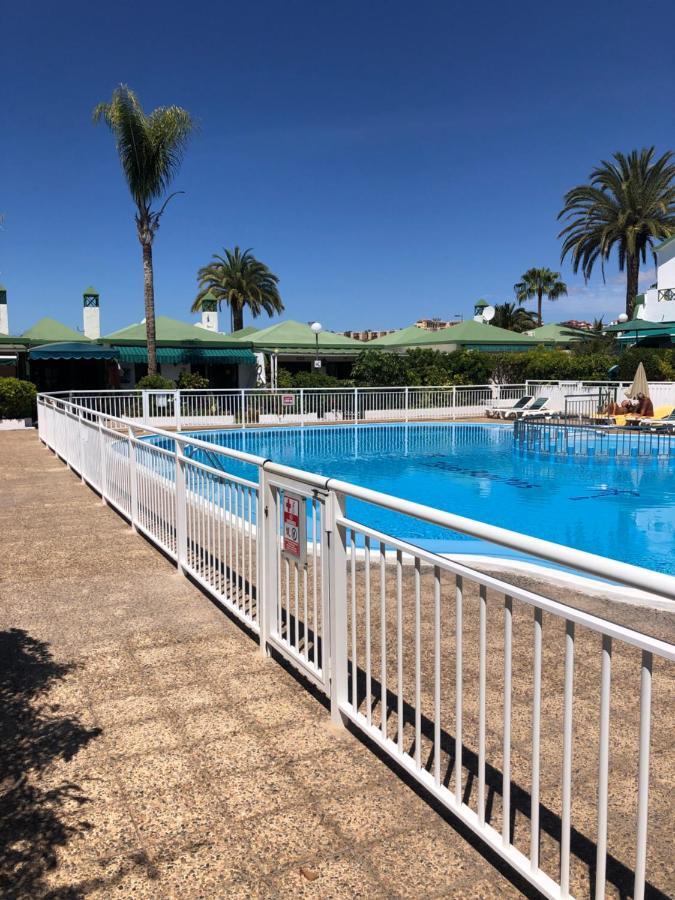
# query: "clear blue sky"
388,160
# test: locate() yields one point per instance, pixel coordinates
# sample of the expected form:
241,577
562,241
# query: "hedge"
18,399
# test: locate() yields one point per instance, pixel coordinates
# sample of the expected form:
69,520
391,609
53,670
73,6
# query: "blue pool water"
624,509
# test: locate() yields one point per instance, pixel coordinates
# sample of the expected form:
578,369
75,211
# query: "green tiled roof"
49,331
468,332
297,336
243,332
558,334
169,331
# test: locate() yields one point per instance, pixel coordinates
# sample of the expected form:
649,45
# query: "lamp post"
317,328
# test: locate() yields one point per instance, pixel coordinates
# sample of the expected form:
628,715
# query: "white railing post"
181,509
336,539
243,407
145,400
81,442
356,404
268,550
133,480
176,408
104,460
454,401
407,404
302,406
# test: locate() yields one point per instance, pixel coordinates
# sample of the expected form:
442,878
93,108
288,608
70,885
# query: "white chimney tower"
209,313
4,318
91,314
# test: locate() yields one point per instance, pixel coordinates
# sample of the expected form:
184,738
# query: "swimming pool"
620,508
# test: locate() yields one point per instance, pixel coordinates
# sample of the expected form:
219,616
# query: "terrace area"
150,750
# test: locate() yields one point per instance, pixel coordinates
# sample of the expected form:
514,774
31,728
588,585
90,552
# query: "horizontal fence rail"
527,718
306,406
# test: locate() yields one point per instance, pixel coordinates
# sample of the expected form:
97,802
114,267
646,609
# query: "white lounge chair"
499,412
536,409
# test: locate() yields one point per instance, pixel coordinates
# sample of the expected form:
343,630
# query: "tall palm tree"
540,283
513,318
239,280
151,148
628,203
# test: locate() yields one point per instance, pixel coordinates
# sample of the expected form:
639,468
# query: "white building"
658,303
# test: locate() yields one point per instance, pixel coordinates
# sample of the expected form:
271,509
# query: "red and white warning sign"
294,527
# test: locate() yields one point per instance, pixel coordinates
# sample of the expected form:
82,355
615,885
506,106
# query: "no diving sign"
294,528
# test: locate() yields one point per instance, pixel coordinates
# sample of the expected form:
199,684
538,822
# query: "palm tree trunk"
237,317
149,298
539,298
632,276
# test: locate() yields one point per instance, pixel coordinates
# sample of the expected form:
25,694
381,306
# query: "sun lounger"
663,420
499,412
536,409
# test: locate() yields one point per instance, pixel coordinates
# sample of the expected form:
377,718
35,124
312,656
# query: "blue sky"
387,160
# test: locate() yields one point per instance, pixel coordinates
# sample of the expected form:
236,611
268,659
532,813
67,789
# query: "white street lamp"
317,328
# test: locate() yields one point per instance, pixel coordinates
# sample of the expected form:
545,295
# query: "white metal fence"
306,406
447,669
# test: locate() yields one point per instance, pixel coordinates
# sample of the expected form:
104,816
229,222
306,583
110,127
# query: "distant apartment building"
578,324
367,335
435,324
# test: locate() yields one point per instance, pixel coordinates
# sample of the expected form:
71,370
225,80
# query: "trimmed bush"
192,381
17,399
155,383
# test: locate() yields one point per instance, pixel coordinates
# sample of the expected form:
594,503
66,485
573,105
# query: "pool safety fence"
575,439
443,667
306,406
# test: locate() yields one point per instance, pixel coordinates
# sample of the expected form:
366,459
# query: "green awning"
171,355
73,350
214,356
645,333
176,355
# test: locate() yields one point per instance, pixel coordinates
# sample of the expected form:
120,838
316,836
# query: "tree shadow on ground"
33,736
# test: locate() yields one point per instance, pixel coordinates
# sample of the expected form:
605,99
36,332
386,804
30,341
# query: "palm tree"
540,283
628,204
150,149
239,280
513,318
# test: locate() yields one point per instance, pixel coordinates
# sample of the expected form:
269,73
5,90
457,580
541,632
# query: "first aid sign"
294,527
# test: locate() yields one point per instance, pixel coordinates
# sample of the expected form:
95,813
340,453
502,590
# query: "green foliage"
239,280
315,380
537,284
659,364
150,147
378,368
628,204
307,380
192,381
513,318
155,383
17,399
284,379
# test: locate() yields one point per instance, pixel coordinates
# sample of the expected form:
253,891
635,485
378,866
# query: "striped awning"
176,355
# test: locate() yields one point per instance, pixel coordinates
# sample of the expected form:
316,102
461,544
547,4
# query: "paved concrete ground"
147,748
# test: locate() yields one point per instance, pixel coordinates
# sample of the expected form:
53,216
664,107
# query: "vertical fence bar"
181,509
337,604
536,740
459,698
133,477
643,775
482,677
437,675
603,767
568,700
506,743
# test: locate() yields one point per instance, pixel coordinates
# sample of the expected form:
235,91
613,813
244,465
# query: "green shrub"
284,379
378,368
17,399
192,381
315,380
155,383
658,364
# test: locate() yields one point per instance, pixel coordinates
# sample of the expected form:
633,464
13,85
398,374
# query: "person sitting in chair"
645,406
